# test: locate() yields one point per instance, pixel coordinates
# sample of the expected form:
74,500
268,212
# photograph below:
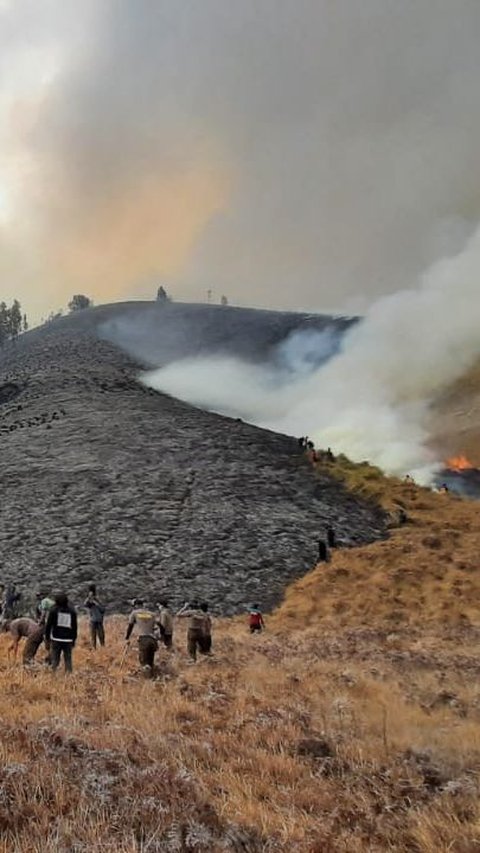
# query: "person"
31,631
206,642
195,632
322,552
331,537
97,613
46,604
11,600
165,623
145,622
37,610
255,620
61,631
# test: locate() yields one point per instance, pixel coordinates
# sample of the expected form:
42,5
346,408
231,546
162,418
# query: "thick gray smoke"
309,154
370,400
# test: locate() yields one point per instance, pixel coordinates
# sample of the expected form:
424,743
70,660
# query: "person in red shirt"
255,620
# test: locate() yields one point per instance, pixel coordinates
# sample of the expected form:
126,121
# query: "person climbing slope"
165,623
97,614
145,622
255,620
206,643
61,632
195,632
31,631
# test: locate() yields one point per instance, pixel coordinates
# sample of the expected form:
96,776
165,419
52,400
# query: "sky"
300,154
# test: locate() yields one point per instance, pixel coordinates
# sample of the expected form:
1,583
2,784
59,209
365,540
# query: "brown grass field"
351,725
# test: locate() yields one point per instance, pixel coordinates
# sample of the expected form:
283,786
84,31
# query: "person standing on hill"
195,631
145,621
44,607
255,620
10,603
97,614
61,632
206,644
323,556
165,623
331,537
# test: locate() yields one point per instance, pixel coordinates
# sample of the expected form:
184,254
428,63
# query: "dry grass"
313,741
351,725
427,572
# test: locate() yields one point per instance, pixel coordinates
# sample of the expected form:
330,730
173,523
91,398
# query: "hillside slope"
104,479
156,333
426,573
455,418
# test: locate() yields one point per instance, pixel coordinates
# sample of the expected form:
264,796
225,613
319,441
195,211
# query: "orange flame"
459,463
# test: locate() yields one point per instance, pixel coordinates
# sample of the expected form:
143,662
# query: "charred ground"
104,479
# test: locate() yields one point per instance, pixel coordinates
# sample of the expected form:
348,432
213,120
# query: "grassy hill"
425,572
352,724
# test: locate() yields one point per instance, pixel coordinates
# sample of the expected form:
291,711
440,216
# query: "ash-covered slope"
103,479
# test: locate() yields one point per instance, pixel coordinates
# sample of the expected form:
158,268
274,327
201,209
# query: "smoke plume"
371,399
308,154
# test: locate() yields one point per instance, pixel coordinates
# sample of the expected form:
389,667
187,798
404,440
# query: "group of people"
156,625
54,623
308,446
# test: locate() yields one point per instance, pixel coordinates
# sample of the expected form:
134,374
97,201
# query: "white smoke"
371,400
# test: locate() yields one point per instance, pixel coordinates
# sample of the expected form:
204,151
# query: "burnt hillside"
103,479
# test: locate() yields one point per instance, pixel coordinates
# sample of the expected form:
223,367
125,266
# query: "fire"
459,463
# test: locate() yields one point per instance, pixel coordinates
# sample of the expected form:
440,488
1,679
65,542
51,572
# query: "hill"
425,574
350,725
105,479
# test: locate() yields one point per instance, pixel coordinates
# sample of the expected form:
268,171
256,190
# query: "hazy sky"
292,153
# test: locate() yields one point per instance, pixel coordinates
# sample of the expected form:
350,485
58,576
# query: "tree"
224,300
15,320
79,303
162,295
25,323
4,323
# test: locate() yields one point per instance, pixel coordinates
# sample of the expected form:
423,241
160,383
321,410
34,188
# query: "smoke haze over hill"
371,400
308,154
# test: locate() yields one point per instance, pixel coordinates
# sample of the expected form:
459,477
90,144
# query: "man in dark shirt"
61,631
97,613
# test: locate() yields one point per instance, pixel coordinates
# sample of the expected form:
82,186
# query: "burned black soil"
103,479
